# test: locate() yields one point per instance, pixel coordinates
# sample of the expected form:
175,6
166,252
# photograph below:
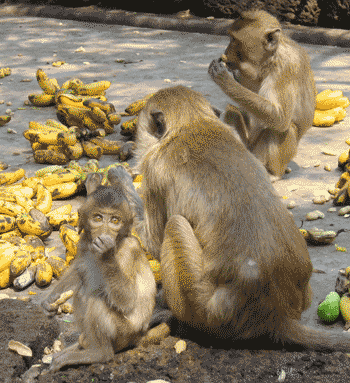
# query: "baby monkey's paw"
218,71
103,243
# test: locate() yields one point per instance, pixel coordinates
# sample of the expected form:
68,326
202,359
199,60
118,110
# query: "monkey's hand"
219,73
103,243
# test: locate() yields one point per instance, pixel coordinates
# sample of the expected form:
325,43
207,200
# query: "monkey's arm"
274,115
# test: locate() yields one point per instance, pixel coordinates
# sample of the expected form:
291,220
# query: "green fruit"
328,310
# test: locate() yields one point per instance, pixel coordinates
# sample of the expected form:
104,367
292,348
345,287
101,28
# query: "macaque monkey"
114,287
269,79
233,262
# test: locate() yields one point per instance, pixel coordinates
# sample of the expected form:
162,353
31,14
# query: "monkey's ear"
93,181
271,39
217,111
158,127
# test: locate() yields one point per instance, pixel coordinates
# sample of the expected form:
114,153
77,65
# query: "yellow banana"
34,125
128,127
94,88
70,238
7,223
107,107
10,235
67,138
114,118
58,178
21,261
41,99
155,266
34,223
134,108
91,150
64,190
50,157
98,114
5,72
58,265
68,100
75,151
60,215
44,273
49,86
31,182
43,199
108,146
23,201
9,177
10,208
56,124
8,252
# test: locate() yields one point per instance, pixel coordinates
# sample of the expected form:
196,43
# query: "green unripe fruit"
328,310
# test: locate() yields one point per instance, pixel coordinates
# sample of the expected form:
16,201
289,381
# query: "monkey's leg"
182,267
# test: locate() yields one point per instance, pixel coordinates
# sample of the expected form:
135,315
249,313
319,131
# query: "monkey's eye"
97,218
115,220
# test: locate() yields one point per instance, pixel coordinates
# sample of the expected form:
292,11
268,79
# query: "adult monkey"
233,262
269,78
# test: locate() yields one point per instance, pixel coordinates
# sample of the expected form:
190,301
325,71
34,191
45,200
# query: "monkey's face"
105,222
248,50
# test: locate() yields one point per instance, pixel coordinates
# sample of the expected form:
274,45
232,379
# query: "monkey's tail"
293,332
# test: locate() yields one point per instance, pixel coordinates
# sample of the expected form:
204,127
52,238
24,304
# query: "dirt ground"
156,59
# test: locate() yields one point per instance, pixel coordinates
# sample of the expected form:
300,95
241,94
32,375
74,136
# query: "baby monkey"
114,287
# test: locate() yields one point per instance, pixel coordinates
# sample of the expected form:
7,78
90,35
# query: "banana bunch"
51,89
330,108
5,72
341,193
86,113
23,261
128,128
55,143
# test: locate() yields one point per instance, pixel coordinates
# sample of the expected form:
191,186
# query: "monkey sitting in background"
269,79
114,287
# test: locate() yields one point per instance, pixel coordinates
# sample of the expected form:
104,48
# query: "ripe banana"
63,190
70,238
92,89
34,125
98,114
108,146
107,107
50,157
135,107
34,223
128,127
43,199
49,86
9,177
59,178
114,118
5,72
22,260
41,99
68,100
91,150
7,223
58,265
56,124
23,201
43,274
10,208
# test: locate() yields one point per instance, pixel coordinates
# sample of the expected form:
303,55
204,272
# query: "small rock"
2,102
20,348
26,80
11,131
291,205
54,55
180,346
86,63
4,296
319,200
57,346
328,168
288,170
317,164
346,216
9,103
47,359
167,80
8,111
332,209
26,102
81,49
210,17
311,216
344,210
305,166
47,350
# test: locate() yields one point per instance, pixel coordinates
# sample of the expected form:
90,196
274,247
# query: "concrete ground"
164,58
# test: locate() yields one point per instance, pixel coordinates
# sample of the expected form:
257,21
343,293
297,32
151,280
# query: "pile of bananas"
5,72
55,143
330,107
341,193
128,128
